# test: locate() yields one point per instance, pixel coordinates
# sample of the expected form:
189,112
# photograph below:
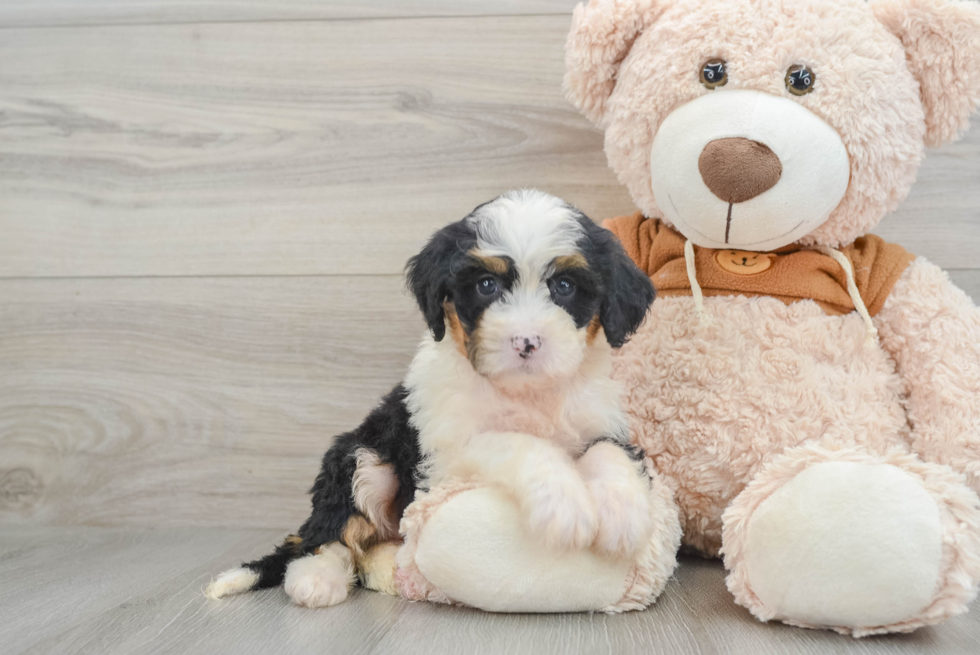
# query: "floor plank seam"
274,21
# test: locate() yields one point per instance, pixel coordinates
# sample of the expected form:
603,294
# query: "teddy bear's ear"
602,34
942,46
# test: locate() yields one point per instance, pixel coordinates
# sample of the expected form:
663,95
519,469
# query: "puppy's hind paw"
376,568
322,579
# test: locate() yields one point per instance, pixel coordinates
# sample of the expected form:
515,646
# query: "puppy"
524,300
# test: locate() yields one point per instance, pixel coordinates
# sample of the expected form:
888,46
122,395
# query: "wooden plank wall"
205,208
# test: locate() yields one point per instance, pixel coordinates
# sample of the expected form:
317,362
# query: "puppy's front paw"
560,511
320,580
623,508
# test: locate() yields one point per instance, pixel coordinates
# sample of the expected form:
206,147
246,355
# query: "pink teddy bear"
808,395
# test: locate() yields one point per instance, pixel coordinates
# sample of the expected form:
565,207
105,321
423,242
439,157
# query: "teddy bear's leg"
470,544
859,543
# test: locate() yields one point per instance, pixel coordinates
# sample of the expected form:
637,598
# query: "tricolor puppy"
524,299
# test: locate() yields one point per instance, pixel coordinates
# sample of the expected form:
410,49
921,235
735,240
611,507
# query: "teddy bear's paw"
322,579
560,512
625,521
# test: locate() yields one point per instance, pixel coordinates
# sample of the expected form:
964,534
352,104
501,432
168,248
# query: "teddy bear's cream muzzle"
747,170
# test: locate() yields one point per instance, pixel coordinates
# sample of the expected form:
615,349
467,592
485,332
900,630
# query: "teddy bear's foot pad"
845,544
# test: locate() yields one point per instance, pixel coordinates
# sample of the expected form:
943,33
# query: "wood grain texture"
34,13
139,591
181,401
316,148
184,401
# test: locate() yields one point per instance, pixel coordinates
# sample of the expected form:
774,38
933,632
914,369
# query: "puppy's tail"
268,571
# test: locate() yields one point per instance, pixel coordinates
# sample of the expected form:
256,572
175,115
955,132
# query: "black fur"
387,432
463,293
584,302
431,272
627,292
634,452
444,271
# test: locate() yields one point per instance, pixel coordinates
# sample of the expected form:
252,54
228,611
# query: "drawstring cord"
703,319
871,332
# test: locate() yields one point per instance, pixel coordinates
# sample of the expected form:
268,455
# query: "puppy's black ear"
430,273
628,291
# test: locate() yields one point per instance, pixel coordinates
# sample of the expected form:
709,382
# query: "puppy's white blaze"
233,581
375,486
530,227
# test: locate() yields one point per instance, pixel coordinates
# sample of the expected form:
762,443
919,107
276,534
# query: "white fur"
451,404
543,480
321,579
477,550
621,495
233,581
816,170
846,544
530,227
375,487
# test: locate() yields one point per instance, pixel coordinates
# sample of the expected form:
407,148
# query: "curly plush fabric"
931,330
711,405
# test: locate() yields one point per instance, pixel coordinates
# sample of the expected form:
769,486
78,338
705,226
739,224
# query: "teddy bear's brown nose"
737,169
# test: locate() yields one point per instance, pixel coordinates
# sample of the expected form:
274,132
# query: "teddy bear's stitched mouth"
728,222
690,227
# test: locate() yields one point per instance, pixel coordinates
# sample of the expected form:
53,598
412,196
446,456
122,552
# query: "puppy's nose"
737,170
525,345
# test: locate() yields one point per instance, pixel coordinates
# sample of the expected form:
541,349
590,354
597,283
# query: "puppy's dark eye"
563,287
800,80
714,73
486,286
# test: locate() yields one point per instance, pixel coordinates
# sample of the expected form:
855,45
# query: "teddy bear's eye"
800,80
714,73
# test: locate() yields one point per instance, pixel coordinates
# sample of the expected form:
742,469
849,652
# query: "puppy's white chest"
540,417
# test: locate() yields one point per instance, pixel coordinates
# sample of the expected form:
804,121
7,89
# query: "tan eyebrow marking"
566,262
493,264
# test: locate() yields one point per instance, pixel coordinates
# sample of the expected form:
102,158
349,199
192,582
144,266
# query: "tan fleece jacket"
790,274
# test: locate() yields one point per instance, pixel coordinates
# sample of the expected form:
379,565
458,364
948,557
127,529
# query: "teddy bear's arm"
932,330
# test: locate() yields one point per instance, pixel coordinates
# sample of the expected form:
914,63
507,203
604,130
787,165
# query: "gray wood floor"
205,206
119,590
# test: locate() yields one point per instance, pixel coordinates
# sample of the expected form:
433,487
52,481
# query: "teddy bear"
806,394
